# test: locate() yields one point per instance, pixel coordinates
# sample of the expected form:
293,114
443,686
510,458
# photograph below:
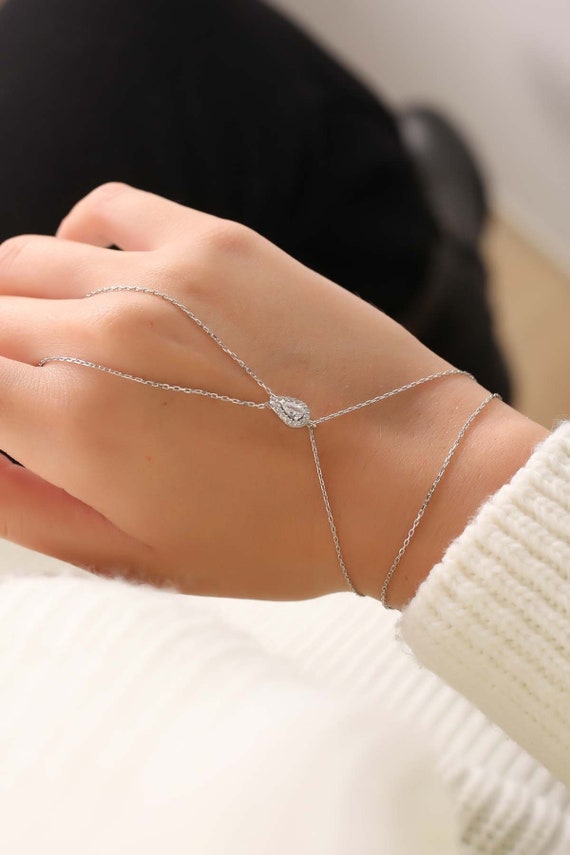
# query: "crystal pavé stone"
291,411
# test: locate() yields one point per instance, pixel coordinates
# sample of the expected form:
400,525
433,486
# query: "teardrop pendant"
292,412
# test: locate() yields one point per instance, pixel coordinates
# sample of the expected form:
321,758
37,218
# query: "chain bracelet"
428,496
292,411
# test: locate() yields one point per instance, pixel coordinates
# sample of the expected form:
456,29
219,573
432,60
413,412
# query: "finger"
119,215
124,331
27,403
31,329
39,266
40,516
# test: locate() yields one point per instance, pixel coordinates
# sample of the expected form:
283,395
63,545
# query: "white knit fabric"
138,721
494,617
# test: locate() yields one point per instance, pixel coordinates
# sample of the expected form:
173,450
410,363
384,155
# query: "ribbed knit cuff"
493,618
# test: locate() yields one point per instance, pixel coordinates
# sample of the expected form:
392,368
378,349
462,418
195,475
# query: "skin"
202,495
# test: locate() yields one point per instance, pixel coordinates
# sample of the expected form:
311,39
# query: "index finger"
26,407
134,220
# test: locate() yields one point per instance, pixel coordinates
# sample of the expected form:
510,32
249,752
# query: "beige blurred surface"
532,301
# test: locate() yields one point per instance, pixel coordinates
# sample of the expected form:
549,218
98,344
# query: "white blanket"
138,721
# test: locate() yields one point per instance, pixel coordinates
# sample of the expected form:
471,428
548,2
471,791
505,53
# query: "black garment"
222,105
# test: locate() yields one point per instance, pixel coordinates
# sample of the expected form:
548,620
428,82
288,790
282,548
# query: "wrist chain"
429,494
291,411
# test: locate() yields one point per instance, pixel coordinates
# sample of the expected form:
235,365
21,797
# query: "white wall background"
501,68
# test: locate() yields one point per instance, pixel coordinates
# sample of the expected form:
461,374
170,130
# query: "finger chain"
139,289
429,494
291,411
167,387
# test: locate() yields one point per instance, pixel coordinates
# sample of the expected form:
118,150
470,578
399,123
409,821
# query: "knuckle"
192,267
229,237
100,201
94,207
119,321
106,194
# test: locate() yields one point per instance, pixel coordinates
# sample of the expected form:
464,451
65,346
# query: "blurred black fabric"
225,106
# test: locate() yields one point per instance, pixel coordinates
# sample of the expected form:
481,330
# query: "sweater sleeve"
493,617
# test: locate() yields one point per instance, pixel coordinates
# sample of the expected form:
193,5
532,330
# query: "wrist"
395,456
496,446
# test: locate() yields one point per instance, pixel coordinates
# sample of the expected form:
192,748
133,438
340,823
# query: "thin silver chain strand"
139,289
167,387
429,495
413,385
163,296
330,517
311,424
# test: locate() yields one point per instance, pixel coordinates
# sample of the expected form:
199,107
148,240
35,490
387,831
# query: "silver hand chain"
429,494
292,411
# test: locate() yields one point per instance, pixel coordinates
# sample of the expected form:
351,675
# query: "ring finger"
40,266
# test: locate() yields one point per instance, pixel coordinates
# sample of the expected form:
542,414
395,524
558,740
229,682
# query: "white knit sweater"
138,721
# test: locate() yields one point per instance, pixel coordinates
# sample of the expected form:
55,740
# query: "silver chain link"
311,424
163,296
385,395
167,387
429,494
329,513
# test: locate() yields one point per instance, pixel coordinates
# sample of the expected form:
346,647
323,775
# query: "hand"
187,491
